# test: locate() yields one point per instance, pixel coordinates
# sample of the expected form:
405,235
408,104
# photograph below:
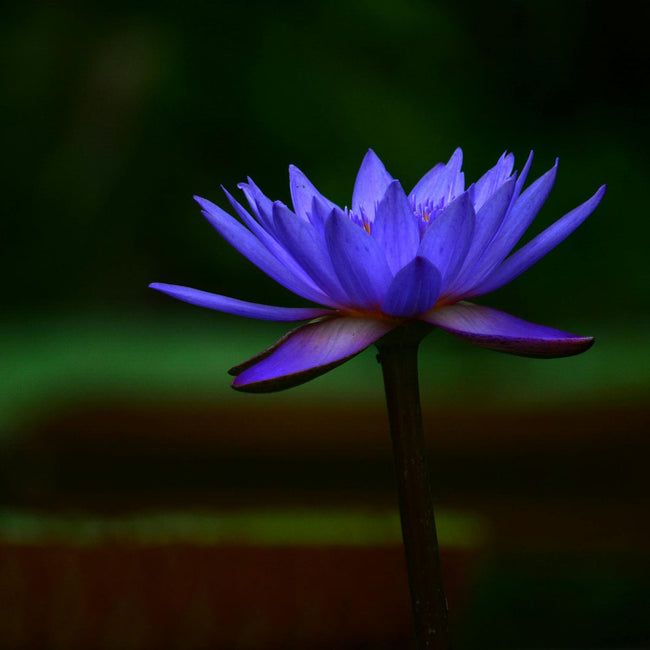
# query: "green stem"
398,358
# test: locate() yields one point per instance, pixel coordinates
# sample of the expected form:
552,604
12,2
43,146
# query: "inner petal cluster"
393,254
427,211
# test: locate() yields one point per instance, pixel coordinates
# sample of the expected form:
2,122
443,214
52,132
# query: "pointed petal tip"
596,198
394,186
225,190
210,210
371,155
276,384
204,203
456,156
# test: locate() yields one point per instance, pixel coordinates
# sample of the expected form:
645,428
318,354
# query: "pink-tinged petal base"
307,352
239,307
496,330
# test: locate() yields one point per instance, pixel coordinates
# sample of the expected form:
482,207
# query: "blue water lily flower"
390,259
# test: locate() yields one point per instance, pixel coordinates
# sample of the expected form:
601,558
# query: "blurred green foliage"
183,358
279,527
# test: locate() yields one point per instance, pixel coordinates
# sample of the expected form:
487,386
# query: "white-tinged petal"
307,352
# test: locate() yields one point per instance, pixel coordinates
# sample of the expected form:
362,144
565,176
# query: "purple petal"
494,178
535,249
239,307
241,211
395,228
370,186
251,248
307,246
447,240
497,330
521,180
261,205
303,193
320,210
517,220
358,261
270,241
442,183
487,223
413,290
428,184
307,352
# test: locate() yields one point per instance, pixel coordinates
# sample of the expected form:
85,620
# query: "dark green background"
115,114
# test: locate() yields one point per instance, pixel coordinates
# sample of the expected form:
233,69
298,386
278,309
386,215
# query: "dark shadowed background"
147,505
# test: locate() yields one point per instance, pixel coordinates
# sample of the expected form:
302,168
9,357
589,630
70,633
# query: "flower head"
390,259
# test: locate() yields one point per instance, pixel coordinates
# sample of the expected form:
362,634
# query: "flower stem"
398,358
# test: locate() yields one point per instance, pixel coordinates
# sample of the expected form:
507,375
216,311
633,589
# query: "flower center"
427,211
361,219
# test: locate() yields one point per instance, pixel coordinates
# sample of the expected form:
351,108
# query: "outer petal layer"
535,249
496,330
493,179
293,278
239,307
307,352
515,223
270,241
303,193
307,246
487,222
